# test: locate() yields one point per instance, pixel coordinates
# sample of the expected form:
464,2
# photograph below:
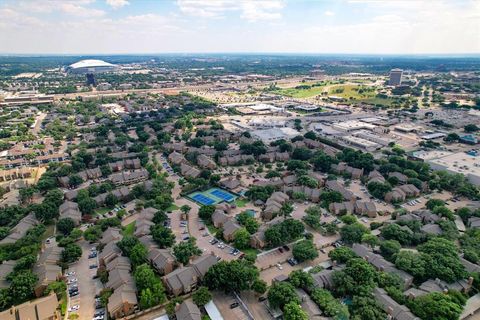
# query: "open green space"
129,229
351,91
240,203
301,91
172,207
101,211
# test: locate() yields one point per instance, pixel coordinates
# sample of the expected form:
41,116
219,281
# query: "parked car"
286,248
262,298
74,293
93,266
280,249
279,266
74,308
234,305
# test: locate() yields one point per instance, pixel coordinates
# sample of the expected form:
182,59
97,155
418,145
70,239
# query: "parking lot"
82,287
230,307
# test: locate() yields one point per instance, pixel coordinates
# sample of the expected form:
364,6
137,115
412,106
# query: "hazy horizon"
327,27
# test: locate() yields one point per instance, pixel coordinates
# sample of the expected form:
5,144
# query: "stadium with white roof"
91,67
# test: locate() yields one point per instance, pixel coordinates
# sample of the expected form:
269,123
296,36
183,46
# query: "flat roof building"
274,134
460,162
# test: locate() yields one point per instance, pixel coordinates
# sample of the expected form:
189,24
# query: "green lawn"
48,232
211,228
300,93
348,91
173,207
101,211
251,251
129,229
241,202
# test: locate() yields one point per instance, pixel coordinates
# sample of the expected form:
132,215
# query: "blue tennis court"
222,195
212,196
203,199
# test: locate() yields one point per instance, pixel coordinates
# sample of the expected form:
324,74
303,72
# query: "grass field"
173,207
129,229
300,92
241,202
102,210
348,91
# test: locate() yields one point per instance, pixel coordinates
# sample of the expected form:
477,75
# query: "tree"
370,239
126,245
71,253
413,263
185,250
65,225
75,180
282,293
259,286
241,238
293,311
342,254
394,232
149,285
432,203
471,128
286,210
329,305
231,276
162,236
329,197
389,248
202,296
87,205
304,250
111,200
185,209
444,262
205,212
301,279
22,286
435,305
378,189
353,233
138,254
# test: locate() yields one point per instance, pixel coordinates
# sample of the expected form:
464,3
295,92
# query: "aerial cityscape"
240,160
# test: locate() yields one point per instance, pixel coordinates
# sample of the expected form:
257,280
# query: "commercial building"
465,163
395,77
352,125
274,134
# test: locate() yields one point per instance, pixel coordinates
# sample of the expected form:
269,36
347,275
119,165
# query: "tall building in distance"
395,77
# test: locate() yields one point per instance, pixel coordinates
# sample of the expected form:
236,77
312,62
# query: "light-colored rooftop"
90,63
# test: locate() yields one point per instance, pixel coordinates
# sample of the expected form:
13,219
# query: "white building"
459,162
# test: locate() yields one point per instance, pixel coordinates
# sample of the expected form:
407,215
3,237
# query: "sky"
263,26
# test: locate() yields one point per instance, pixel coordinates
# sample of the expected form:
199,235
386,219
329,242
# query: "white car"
71,273
279,266
74,308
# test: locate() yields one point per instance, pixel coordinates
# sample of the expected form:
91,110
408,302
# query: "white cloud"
329,13
117,4
251,10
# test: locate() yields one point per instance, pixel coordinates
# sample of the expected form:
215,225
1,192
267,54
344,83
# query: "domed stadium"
90,67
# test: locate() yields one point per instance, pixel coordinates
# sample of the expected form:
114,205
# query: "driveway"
87,286
223,302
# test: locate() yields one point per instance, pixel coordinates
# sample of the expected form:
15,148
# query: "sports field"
212,196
